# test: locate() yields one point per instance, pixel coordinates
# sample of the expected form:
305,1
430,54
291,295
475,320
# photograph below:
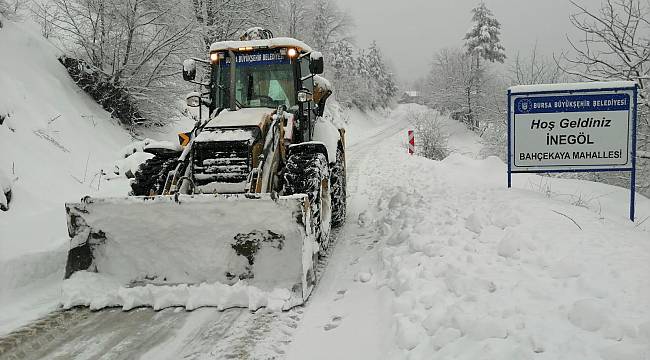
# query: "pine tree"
382,85
384,80
342,60
482,40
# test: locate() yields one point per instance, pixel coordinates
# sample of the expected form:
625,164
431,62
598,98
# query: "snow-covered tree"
361,76
482,40
385,87
227,19
342,69
449,80
329,24
138,44
296,12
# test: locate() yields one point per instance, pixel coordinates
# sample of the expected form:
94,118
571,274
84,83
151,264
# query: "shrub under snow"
431,139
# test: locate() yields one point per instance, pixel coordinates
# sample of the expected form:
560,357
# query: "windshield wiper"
221,88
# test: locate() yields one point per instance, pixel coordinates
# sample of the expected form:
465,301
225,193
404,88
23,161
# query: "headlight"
303,96
292,53
193,99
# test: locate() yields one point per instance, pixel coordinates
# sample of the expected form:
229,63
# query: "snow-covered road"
437,260
207,333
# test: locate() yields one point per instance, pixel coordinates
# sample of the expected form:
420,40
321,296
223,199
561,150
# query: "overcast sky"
411,31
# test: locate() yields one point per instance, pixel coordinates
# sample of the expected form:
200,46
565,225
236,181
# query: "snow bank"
481,271
97,292
485,271
55,143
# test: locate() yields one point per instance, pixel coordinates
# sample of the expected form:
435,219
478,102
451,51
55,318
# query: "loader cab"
264,76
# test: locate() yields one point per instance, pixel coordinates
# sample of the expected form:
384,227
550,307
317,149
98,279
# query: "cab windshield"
263,79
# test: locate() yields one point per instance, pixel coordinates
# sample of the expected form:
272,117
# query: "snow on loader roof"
279,42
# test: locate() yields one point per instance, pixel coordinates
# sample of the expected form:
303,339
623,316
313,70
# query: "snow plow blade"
195,239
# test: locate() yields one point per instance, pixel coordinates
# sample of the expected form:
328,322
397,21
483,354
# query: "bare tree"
46,14
296,13
329,25
137,43
226,19
454,84
615,45
11,9
535,69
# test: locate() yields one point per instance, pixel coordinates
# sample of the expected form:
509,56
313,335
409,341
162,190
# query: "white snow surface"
56,142
262,43
241,117
322,82
464,268
572,86
328,134
98,291
225,135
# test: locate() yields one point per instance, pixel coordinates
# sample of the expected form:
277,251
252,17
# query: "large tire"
339,190
152,174
308,173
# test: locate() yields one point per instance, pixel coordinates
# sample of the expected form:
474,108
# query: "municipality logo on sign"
525,105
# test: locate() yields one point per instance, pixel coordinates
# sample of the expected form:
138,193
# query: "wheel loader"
251,192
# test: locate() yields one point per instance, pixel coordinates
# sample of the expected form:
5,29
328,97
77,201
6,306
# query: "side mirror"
189,70
316,62
193,99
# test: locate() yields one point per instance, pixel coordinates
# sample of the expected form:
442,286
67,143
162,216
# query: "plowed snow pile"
482,272
97,292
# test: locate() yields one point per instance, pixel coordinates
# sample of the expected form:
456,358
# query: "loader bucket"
194,239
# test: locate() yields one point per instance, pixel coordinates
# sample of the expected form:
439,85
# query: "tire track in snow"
269,335
346,308
205,333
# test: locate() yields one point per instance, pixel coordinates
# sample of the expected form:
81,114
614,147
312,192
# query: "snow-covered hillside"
53,142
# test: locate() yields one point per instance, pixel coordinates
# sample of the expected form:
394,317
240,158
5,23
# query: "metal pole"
233,82
509,151
633,173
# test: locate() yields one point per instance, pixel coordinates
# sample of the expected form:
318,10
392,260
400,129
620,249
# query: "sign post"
411,142
581,127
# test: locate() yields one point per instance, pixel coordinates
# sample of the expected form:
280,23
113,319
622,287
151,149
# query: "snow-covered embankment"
54,141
